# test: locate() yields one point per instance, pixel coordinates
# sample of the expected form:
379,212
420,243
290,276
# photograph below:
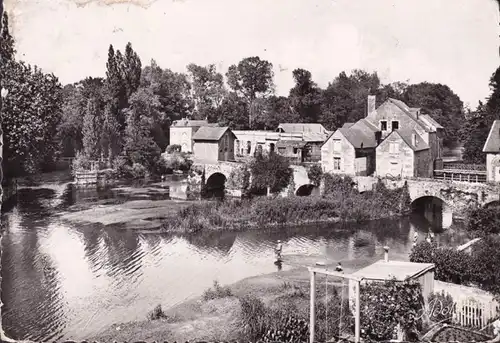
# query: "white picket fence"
473,307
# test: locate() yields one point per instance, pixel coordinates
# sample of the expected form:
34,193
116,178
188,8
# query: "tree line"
126,114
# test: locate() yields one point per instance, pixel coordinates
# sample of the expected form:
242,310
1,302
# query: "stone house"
403,153
214,144
182,131
492,150
248,142
395,115
351,149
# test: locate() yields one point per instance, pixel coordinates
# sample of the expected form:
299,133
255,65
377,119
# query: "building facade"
214,144
492,150
182,132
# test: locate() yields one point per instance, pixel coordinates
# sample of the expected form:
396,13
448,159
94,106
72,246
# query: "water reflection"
72,281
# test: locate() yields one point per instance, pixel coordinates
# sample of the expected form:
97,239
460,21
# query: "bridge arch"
307,189
434,209
494,203
215,185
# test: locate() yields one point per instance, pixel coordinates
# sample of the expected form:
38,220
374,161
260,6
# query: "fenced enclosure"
331,313
474,308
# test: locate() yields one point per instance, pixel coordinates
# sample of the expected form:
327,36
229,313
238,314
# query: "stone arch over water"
434,209
306,190
215,185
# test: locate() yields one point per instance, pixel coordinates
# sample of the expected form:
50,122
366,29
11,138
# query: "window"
336,163
281,150
383,125
395,125
393,148
249,147
237,143
295,150
337,145
259,149
271,147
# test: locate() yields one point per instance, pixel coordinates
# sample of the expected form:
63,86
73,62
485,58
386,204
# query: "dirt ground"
217,319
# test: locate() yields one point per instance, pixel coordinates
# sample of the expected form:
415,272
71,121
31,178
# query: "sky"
454,42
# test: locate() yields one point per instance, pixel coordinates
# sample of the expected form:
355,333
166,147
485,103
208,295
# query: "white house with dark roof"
351,149
182,131
492,150
213,144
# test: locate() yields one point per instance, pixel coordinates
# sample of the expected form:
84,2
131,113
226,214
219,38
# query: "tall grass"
339,202
217,292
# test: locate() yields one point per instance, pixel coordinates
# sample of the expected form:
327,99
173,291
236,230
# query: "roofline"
406,112
489,135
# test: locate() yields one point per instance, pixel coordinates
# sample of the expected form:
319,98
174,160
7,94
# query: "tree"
233,112
91,131
278,110
140,146
305,97
31,114
344,100
441,103
484,221
132,69
315,174
478,123
7,49
252,77
270,171
207,88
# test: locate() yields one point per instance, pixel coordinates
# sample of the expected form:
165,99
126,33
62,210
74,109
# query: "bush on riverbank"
340,202
479,268
217,292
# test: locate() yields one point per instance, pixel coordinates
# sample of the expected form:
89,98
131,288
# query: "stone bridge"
455,196
302,184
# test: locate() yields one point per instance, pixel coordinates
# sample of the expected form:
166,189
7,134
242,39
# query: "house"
182,131
403,153
395,115
293,150
351,149
386,270
492,150
248,142
302,128
214,144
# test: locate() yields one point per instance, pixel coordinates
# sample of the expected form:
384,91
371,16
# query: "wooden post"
357,315
312,309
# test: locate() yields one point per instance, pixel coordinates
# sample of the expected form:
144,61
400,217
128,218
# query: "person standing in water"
277,250
339,268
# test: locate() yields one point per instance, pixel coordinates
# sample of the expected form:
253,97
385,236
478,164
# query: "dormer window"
383,125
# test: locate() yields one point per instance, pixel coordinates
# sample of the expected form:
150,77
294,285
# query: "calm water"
72,281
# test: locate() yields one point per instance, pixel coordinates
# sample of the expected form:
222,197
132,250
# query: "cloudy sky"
455,42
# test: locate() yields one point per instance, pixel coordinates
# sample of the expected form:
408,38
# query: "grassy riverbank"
224,314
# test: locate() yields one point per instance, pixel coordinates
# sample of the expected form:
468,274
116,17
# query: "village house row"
393,140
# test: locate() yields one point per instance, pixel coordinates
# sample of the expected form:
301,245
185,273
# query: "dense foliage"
483,222
270,171
386,305
315,174
481,267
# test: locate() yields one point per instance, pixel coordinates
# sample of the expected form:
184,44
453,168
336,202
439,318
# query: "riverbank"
219,319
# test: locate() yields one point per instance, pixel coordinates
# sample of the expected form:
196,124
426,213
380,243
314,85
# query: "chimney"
414,139
371,104
386,253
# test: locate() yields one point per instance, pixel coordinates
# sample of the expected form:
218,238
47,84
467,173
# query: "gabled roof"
206,133
191,123
294,144
361,134
493,141
347,125
314,137
407,137
411,112
427,118
302,127
400,270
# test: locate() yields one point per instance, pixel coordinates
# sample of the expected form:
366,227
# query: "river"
71,281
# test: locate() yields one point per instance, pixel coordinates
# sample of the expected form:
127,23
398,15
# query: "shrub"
157,313
253,318
271,170
483,221
177,161
138,171
217,292
389,304
485,264
173,148
451,265
315,174
81,162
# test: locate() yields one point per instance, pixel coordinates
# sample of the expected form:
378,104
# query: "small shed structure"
214,144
